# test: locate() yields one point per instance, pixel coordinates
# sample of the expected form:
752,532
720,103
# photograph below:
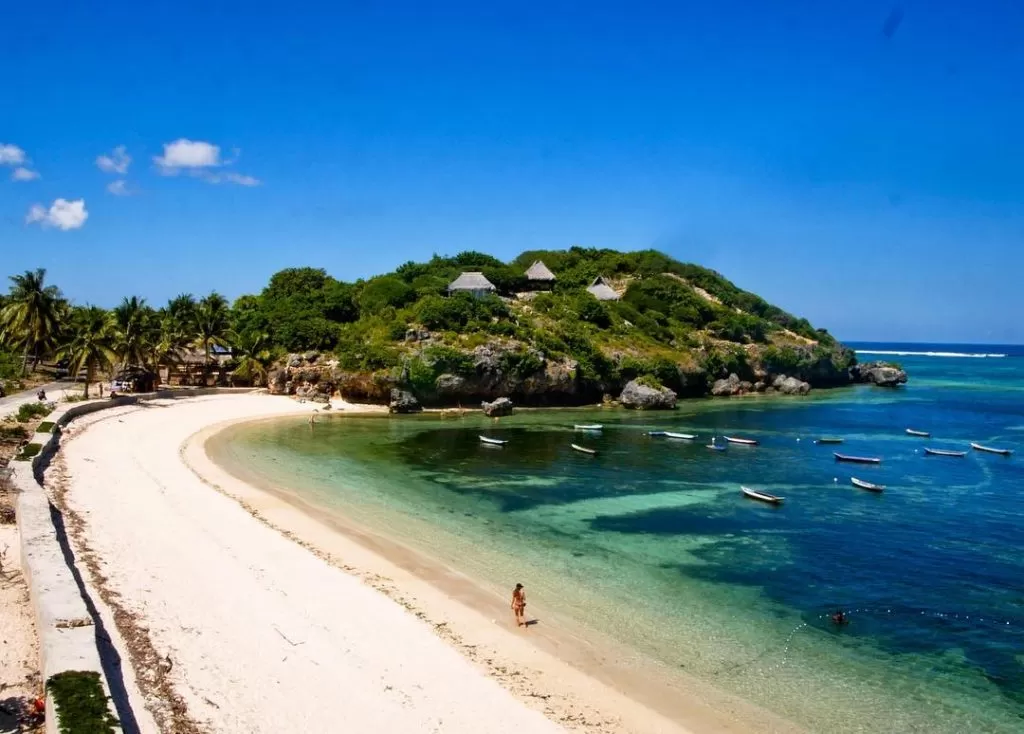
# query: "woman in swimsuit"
519,605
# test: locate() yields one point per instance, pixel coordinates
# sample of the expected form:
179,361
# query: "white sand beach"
244,614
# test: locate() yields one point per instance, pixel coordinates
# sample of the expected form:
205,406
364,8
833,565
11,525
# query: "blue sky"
869,182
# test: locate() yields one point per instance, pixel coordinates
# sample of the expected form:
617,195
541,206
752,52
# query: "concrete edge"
64,624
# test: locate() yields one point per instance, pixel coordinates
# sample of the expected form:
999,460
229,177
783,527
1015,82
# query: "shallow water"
651,542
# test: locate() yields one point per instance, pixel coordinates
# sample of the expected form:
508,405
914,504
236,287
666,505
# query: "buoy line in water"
784,649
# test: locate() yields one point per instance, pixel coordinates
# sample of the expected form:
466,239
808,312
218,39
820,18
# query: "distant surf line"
930,354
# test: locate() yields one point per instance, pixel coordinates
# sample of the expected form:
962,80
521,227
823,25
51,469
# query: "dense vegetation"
81,703
672,318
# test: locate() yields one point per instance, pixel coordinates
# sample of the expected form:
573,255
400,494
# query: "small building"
472,282
600,290
539,276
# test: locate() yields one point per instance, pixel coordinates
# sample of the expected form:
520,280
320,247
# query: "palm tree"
134,331
213,319
31,317
251,357
91,344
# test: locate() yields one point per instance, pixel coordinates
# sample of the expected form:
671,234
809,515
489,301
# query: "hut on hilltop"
472,282
600,290
539,276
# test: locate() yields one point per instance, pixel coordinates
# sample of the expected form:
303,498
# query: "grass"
81,703
28,411
45,427
29,451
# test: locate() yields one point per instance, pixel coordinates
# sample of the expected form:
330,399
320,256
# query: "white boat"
684,436
741,441
762,496
583,449
920,434
492,441
866,485
656,433
943,452
588,427
990,450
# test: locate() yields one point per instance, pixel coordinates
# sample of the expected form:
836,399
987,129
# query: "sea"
651,543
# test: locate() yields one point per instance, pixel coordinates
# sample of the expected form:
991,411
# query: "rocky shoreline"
489,376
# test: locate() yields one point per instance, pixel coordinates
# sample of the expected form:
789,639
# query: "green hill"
677,324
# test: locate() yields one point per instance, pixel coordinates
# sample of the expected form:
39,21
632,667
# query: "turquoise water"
651,542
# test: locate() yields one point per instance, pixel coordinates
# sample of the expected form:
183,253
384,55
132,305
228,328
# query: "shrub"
9,433
28,411
649,381
81,703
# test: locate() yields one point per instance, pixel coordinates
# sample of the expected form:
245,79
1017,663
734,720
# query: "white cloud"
236,178
23,174
117,162
62,214
187,154
11,155
119,188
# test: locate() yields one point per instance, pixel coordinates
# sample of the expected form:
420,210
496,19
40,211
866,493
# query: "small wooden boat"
762,496
828,440
684,436
990,450
921,434
656,433
942,452
857,459
589,427
492,441
741,441
583,449
866,485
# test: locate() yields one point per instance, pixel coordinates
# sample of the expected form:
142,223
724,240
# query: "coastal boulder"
881,374
643,397
499,407
448,385
403,401
731,385
791,386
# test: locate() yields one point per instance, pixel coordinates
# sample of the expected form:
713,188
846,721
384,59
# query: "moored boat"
921,434
762,496
583,449
828,440
943,452
589,427
866,485
717,447
741,441
656,433
991,450
857,459
492,441
685,436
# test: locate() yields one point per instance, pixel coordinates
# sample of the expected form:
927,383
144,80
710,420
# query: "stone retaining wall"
64,624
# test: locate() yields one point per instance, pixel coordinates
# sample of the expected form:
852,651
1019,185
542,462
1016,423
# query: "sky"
857,163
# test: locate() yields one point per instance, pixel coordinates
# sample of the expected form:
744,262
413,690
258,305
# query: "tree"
251,357
213,319
31,318
134,329
91,344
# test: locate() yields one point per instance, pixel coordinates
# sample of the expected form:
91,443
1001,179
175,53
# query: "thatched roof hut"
472,282
600,290
539,273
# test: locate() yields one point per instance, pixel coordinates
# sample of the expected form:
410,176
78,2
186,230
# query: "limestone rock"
403,401
499,407
641,397
881,374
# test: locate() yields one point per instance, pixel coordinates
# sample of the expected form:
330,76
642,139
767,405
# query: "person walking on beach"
519,605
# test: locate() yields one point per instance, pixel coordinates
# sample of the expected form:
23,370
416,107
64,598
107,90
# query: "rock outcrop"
497,408
731,385
881,374
643,397
403,401
791,385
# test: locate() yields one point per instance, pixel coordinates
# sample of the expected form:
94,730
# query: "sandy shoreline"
254,633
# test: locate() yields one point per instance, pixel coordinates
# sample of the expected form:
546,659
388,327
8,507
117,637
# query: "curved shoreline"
573,670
